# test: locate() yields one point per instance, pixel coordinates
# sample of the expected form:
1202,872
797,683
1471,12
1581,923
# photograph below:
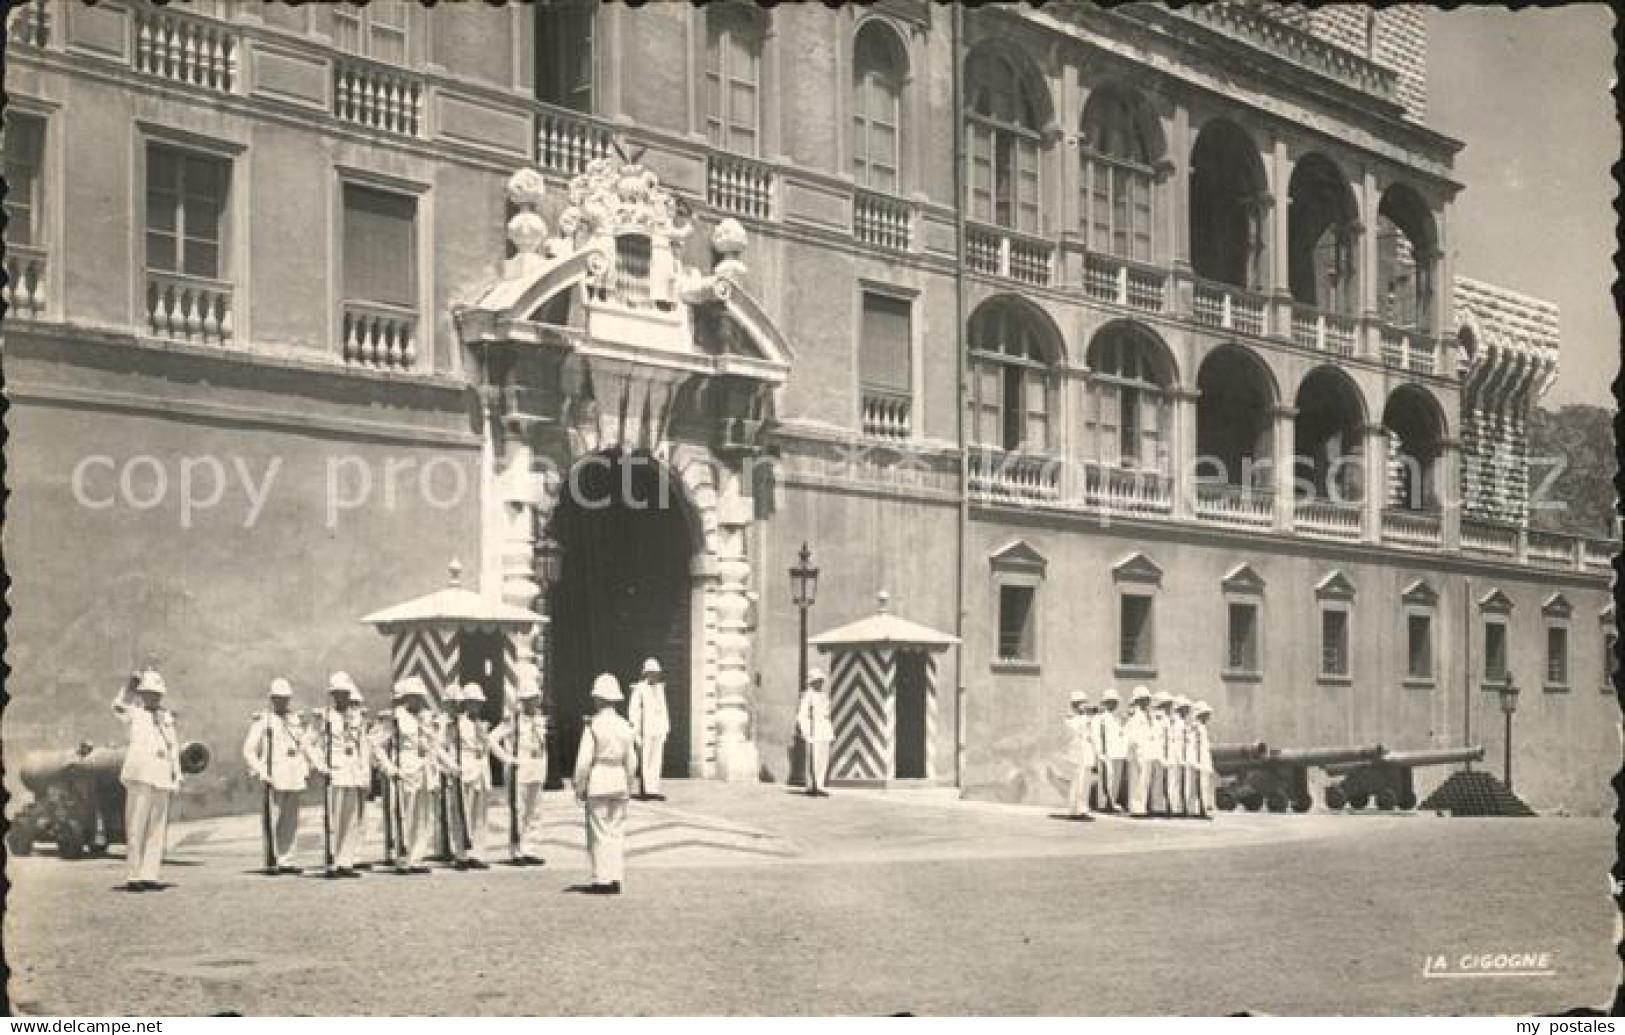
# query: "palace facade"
1123,345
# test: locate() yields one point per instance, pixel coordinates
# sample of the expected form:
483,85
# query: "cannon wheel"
1359,801
1253,802
1386,800
1302,803
1275,801
1224,799
1407,801
70,840
20,838
1336,799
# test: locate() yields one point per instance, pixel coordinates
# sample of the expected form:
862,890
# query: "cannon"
77,799
1278,779
1388,780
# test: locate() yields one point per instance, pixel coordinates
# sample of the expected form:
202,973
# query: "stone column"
1376,480
1371,337
737,757
1447,465
519,493
1280,285
1179,195
1182,464
1285,450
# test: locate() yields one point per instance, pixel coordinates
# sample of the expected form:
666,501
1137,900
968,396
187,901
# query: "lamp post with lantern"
548,563
803,592
1509,705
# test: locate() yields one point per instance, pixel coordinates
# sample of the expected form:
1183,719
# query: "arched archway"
1234,420
1328,436
1416,427
1407,249
1321,220
627,534
1226,206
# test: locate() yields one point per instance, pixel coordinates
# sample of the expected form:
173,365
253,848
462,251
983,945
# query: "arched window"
1415,426
1004,118
733,77
1226,207
1012,393
1321,220
1127,409
1119,146
1406,258
878,70
1234,427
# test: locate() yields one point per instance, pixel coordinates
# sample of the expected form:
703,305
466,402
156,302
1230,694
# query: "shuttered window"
884,351
1002,136
1334,643
186,199
380,246
1012,385
733,63
377,30
877,108
24,142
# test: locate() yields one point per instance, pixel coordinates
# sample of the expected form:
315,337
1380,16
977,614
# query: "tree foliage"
1577,442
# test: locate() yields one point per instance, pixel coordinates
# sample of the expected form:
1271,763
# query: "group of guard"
1154,760
430,765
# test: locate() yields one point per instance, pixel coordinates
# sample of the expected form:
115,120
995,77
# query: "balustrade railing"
739,185
566,141
1327,519
1411,527
1112,280
1598,553
189,309
377,96
1323,331
185,50
883,221
1120,490
1230,308
1489,537
24,290
886,414
1409,350
29,24
1014,477
1550,548
1005,253
1234,505
380,336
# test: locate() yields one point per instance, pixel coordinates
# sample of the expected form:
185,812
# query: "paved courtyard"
754,900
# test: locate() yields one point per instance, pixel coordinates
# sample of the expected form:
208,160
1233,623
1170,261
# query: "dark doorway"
909,748
480,660
622,594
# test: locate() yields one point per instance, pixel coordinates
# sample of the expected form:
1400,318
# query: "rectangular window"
564,45
1242,655
1495,652
380,246
732,90
1118,210
377,30
1557,656
883,352
1334,643
1016,619
186,201
24,146
1135,647
1419,647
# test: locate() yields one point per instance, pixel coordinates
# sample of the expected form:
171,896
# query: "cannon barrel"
1327,755
40,769
1239,752
1434,756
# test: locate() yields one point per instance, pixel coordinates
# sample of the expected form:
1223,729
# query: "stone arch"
1229,194
1328,431
1237,396
1322,236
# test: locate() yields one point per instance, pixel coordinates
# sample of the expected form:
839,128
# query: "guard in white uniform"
278,753
606,764
1203,751
410,754
521,744
650,727
343,752
1111,754
1081,747
1142,751
470,748
150,775
1179,770
817,732
1156,802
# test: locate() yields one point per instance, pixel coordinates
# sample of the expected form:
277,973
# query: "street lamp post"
803,591
1509,705
549,564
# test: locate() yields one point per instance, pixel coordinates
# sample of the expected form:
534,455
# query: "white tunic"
647,711
532,760
153,757
351,749
275,745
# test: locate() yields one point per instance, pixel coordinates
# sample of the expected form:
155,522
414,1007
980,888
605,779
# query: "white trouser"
651,756
1139,784
284,825
1204,780
1112,792
1083,781
817,764
530,819
417,822
1193,791
475,807
146,828
606,838
1173,780
344,804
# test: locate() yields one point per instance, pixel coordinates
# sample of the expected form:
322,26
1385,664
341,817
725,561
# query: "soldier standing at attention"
151,774
1137,733
1203,752
1081,746
471,751
1111,750
1184,757
1173,762
1156,799
605,766
278,755
650,726
521,743
817,732
406,754
345,753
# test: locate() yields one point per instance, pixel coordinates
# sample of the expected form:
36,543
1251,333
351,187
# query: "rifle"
265,802
461,804
401,849
327,793
513,787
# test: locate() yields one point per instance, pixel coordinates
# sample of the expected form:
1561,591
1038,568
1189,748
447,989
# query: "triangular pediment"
1243,579
1137,567
1495,602
1557,606
1607,613
1019,556
1420,593
1335,586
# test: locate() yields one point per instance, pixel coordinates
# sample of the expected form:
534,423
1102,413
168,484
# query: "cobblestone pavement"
753,900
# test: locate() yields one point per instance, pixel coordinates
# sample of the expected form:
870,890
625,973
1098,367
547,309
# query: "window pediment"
1335,586
1243,579
1495,602
1420,593
1019,556
1139,568
1557,606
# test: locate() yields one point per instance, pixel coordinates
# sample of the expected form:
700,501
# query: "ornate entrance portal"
623,593
612,372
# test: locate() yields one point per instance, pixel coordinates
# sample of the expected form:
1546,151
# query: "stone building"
1017,315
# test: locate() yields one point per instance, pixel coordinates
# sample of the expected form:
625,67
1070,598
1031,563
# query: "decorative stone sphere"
527,231
526,188
729,238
